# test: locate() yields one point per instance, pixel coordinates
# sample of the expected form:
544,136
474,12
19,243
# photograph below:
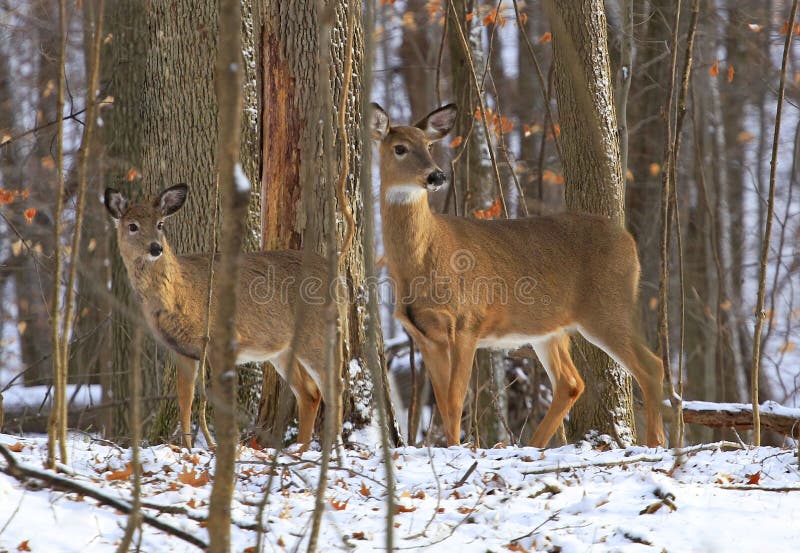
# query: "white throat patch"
404,193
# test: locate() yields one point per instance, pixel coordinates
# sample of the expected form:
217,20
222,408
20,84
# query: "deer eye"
160,225
133,227
400,150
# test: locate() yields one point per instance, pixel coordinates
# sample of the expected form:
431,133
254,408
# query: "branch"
642,458
56,482
740,415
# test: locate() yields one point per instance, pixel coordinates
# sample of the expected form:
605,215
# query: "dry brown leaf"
714,70
121,474
23,546
466,510
404,509
457,141
339,506
17,447
364,490
190,478
753,479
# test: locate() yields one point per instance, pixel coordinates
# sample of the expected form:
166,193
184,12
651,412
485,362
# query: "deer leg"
463,356
566,382
437,362
186,371
646,368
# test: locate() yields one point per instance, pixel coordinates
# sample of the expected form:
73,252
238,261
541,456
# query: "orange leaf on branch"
545,38
30,213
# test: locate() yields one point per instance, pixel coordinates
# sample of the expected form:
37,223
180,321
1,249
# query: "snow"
18,398
771,407
242,182
570,499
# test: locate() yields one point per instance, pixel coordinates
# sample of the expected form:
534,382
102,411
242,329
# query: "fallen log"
774,416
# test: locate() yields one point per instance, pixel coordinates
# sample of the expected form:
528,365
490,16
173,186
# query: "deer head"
407,166
140,227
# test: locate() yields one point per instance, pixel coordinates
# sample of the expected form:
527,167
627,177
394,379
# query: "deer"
463,283
173,292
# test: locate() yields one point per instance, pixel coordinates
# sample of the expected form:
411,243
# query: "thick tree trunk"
162,127
290,82
594,184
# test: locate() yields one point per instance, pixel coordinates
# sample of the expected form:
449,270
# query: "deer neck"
157,281
407,223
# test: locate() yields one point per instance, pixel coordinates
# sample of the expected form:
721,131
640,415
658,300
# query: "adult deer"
463,283
173,291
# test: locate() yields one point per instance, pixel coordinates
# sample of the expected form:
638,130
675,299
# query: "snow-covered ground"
570,499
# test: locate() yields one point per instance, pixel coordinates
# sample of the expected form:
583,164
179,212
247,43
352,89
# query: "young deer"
173,291
463,283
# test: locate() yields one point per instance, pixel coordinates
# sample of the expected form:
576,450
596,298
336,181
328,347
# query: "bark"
594,184
418,60
163,125
290,82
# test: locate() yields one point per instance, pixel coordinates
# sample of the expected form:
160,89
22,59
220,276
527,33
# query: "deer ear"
438,123
172,199
379,122
116,203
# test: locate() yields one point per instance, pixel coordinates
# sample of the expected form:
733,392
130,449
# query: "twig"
72,116
540,76
482,107
333,347
382,402
69,485
135,516
666,222
673,188
53,422
760,488
642,458
760,315
463,479
202,397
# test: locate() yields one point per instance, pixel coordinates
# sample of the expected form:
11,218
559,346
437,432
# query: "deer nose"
155,249
436,179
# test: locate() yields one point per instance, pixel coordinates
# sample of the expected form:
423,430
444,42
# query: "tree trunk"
162,130
646,148
476,188
290,52
594,184
33,283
